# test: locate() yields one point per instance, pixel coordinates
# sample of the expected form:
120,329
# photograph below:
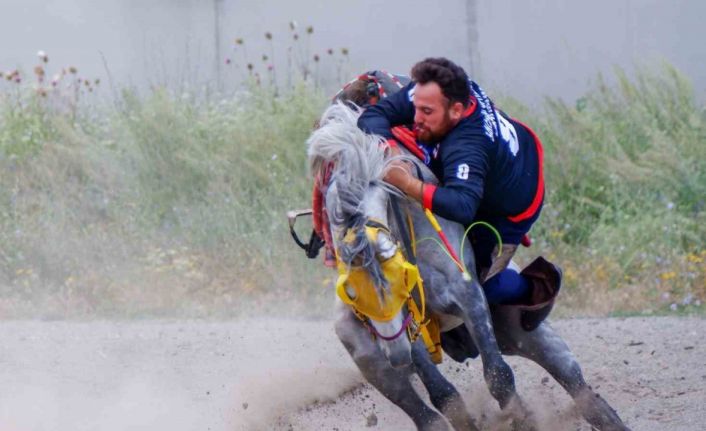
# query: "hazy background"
152,195
161,189
526,49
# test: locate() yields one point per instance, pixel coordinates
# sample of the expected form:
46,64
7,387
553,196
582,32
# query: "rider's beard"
429,136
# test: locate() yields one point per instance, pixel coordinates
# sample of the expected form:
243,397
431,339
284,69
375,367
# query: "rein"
405,324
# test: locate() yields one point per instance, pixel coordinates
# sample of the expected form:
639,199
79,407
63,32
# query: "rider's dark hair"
450,77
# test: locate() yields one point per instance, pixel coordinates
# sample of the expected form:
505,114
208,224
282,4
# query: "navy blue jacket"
488,165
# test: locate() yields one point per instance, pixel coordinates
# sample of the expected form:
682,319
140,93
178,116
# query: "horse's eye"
386,248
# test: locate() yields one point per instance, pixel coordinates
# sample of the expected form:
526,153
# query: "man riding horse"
488,167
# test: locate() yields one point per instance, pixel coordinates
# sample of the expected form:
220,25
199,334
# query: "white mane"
358,158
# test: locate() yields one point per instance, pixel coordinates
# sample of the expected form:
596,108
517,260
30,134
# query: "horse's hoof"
437,424
522,418
521,425
598,412
458,416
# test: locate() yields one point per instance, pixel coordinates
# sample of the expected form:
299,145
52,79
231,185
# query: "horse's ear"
315,166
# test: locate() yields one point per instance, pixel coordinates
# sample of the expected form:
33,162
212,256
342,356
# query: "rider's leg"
393,383
547,349
506,287
501,285
442,393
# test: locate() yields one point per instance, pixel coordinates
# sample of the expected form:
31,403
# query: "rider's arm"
395,110
466,165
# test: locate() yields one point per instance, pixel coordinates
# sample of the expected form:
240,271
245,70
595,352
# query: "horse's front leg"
545,347
393,383
467,301
442,393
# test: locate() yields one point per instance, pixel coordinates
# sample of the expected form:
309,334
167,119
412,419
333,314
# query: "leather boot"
545,280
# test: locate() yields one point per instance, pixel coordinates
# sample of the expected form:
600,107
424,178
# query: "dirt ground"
294,375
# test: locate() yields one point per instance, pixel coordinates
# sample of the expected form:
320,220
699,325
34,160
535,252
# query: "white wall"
528,49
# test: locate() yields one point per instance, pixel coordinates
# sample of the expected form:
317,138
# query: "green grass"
626,179
173,205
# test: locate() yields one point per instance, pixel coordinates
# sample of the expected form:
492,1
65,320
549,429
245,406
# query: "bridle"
406,286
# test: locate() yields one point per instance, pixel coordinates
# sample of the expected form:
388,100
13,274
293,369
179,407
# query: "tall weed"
173,204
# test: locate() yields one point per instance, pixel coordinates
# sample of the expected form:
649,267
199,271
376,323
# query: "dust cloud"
160,375
266,374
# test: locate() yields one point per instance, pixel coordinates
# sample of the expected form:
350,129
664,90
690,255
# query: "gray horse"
357,194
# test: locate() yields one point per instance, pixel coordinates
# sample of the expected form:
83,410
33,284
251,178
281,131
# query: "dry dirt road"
294,375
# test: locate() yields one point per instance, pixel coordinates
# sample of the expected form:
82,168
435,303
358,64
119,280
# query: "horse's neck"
423,229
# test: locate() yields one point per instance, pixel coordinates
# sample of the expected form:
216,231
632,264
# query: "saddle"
545,279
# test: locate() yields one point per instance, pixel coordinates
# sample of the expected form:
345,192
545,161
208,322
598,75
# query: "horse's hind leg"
393,383
546,348
442,393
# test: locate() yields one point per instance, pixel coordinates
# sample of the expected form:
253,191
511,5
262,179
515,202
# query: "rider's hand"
399,175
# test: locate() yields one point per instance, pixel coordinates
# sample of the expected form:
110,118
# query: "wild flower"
693,258
228,61
310,29
265,57
73,70
295,36
688,298
330,51
667,275
250,67
43,56
268,35
292,25
270,67
316,58
344,51
239,41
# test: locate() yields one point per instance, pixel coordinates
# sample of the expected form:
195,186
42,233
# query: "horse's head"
356,202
